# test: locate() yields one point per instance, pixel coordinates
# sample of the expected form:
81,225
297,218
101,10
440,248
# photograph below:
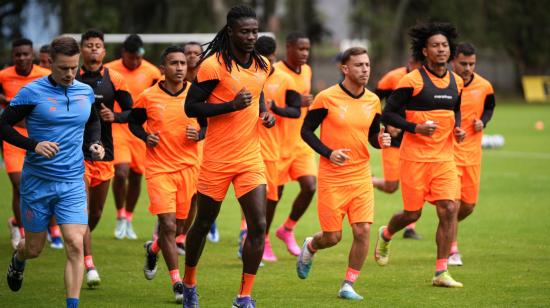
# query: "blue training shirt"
59,115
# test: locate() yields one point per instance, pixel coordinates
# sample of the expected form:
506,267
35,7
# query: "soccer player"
44,57
228,90
57,110
390,156
430,97
12,79
349,116
297,159
477,106
283,100
193,51
171,165
108,86
139,75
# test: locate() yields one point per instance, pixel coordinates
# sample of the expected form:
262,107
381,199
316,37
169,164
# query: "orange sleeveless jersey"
439,146
11,82
165,114
233,137
275,89
471,108
291,141
346,126
391,79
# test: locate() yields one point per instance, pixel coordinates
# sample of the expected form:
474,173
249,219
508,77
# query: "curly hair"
420,34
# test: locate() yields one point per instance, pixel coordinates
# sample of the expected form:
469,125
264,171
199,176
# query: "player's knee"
122,171
333,238
168,227
413,216
308,185
33,250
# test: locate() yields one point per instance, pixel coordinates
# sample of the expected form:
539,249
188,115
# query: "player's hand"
393,131
153,139
339,157
192,133
269,104
98,152
460,134
478,125
384,139
47,149
106,114
242,100
306,100
427,129
268,119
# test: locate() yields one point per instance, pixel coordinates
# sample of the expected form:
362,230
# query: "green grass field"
505,246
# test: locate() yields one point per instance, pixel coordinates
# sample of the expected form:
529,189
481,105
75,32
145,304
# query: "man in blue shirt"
57,111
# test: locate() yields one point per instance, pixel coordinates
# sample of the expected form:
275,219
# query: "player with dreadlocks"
228,91
430,97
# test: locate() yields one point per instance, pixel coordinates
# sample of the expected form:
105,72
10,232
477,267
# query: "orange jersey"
439,146
11,82
275,89
391,79
471,108
139,79
346,126
166,116
233,137
291,142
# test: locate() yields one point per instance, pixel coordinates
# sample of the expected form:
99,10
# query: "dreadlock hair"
220,45
420,34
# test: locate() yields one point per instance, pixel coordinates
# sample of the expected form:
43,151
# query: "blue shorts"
41,199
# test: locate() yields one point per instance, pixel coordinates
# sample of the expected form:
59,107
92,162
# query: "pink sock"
243,224
55,231
89,262
180,239
411,225
289,224
175,276
310,247
121,213
352,274
441,265
129,216
386,234
155,247
454,247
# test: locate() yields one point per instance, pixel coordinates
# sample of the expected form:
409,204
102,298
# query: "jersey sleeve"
118,81
209,71
319,102
141,101
25,96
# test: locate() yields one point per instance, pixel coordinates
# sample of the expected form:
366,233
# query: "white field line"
517,154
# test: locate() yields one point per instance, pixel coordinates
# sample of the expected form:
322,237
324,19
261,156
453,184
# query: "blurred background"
512,37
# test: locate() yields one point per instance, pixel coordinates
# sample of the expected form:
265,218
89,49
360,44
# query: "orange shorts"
390,163
427,181
334,202
215,178
271,175
469,177
97,172
172,192
294,167
129,150
14,157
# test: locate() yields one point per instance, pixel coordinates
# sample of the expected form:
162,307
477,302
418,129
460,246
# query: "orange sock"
121,213
310,247
289,224
129,216
55,231
243,224
155,247
440,265
175,276
22,231
180,239
89,262
190,276
247,282
351,275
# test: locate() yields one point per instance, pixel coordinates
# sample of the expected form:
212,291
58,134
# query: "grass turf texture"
505,246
